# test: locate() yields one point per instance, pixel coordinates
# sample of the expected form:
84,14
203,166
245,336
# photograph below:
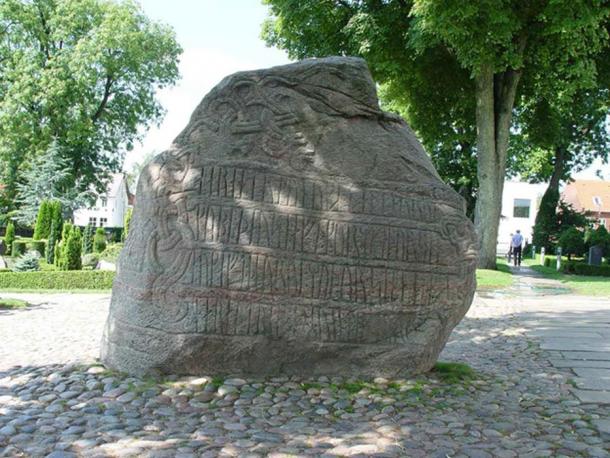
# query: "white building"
520,204
109,210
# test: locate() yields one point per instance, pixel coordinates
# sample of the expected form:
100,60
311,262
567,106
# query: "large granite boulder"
292,228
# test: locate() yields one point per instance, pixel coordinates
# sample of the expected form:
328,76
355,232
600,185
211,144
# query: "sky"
219,37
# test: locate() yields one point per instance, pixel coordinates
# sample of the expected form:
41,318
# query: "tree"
53,240
60,247
72,251
599,237
49,179
27,262
9,237
56,219
43,221
572,242
99,240
494,42
88,239
81,72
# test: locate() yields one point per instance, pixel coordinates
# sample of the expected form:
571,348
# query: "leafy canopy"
82,73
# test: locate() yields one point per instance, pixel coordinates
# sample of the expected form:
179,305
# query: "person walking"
516,245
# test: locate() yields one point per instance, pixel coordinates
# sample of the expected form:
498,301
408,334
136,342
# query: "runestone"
293,227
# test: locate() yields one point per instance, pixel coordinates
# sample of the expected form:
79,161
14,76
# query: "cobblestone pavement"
61,403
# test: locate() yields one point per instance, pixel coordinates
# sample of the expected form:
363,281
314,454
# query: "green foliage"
36,245
9,237
57,221
111,253
581,268
11,304
27,263
43,221
99,240
454,372
19,248
90,260
71,251
57,280
53,236
126,223
83,73
66,229
455,67
572,242
49,178
88,239
57,254
599,237
553,219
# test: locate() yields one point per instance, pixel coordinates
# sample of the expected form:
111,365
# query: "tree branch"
102,106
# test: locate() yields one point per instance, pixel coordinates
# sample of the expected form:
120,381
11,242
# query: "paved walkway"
537,393
576,333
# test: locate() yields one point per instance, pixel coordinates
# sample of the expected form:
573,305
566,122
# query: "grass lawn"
580,284
10,304
495,279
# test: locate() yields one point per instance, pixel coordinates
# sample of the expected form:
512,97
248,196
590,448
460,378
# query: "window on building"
103,222
521,208
104,202
92,221
602,222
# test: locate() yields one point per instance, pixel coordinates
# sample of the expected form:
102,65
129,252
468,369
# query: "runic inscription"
293,227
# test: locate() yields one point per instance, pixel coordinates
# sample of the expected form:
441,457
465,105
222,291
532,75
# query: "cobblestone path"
57,401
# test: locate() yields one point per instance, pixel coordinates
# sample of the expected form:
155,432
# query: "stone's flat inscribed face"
292,228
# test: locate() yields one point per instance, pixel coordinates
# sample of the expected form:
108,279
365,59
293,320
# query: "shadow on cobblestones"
519,405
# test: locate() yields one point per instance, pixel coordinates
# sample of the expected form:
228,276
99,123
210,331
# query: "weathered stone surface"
293,227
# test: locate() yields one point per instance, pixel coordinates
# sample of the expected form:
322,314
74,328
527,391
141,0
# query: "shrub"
599,237
71,251
580,268
57,254
99,240
111,253
88,239
572,242
9,238
547,262
84,279
43,221
36,245
27,263
57,219
19,248
50,251
90,260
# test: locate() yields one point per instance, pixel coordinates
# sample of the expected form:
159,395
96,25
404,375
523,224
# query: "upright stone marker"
596,254
293,227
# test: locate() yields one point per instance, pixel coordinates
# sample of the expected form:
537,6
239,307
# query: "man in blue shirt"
516,244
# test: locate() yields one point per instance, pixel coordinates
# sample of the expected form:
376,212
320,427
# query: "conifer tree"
88,239
43,221
72,251
9,237
99,241
50,251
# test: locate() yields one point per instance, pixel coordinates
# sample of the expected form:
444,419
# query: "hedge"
37,245
19,248
79,279
580,268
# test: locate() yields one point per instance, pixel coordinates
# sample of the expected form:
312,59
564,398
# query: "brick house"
591,197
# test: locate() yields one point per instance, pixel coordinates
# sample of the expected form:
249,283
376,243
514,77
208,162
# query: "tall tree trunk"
495,94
